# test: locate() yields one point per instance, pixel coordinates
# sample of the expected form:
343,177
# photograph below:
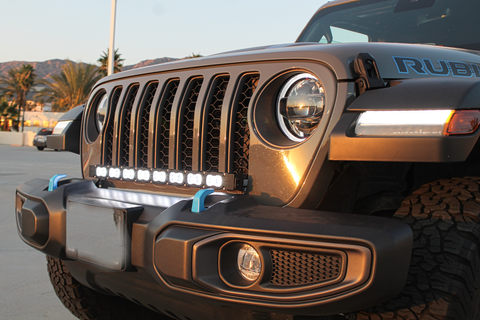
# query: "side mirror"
66,134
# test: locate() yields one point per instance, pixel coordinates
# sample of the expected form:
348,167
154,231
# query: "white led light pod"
128,174
114,173
194,179
101,172
159,176
143,175
214,181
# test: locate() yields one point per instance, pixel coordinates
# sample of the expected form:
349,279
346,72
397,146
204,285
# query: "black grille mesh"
188,117
212,141
242,131
301,268
108,141
163,124
126,121
144,119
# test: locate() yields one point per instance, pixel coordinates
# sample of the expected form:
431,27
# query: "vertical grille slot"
108,139
212,135
164,112
188,115
241,134
124,126
143,124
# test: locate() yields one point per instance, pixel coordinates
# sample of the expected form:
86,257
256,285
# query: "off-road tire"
444,276
87,304
40,148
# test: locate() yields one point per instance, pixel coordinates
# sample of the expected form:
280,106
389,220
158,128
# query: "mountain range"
46,68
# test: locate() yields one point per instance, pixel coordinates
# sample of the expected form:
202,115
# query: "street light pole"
111,49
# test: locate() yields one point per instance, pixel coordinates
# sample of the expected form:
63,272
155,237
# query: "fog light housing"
249,263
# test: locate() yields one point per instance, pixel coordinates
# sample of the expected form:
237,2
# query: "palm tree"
194,55
18,83
103,61
71,87
7,111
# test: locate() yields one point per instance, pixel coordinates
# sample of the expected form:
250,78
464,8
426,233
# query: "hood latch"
369,76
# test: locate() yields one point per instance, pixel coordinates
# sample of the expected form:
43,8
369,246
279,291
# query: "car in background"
40,139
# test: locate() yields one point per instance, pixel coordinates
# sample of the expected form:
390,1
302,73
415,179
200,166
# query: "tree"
71,87
7,111
103,61
18,83
194,55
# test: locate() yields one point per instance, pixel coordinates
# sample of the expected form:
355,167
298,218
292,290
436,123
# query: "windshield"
452,23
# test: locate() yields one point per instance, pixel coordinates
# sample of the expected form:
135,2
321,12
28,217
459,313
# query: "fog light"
249,263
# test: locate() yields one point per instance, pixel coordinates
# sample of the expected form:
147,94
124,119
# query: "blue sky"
34,30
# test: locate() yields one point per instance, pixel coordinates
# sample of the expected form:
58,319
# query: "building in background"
35,120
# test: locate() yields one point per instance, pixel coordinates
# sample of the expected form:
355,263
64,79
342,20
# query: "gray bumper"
153,249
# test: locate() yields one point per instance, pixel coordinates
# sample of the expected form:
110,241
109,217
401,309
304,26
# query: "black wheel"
40,148
444,277
87,304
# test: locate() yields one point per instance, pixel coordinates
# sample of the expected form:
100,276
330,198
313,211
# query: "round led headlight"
249,263
300,106
101,113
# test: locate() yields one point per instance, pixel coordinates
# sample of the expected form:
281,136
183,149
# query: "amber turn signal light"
463,122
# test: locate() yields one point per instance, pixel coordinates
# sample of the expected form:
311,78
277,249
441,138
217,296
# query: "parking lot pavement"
25,289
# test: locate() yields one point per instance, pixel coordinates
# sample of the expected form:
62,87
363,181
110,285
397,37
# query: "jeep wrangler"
334,178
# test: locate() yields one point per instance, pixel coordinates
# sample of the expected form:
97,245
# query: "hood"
395,61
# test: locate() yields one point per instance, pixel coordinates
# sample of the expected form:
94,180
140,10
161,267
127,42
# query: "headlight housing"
101,113
300,106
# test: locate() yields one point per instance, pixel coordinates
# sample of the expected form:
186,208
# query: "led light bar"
403,123
167,177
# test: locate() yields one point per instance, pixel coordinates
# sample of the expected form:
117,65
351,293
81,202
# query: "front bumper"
40,143
154,250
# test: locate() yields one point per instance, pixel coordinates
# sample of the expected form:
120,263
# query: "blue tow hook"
198,204
52,185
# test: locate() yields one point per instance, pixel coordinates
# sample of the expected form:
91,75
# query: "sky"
34,30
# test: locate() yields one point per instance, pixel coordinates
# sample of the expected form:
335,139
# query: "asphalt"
25,289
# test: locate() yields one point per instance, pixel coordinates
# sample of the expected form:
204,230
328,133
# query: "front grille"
178,124
292,268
